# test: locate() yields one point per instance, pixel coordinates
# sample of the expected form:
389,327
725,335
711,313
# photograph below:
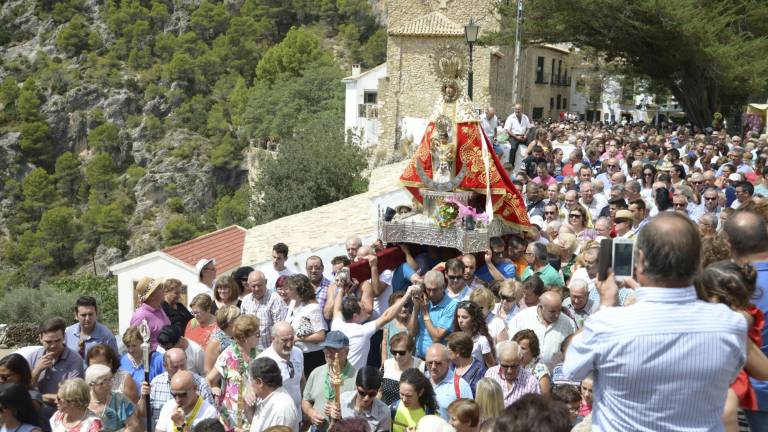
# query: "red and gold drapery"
508,204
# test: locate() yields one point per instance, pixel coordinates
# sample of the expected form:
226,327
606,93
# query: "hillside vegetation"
125,124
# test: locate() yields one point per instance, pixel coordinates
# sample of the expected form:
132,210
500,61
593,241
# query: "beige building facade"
545,81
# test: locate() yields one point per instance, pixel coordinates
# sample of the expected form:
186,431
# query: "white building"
361,109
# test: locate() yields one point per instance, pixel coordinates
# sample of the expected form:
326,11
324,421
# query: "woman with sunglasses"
227,293
510,296
114,409
417,399
203,324
577,219
73,415
469,319
231,374
400,348
363,403
646,182
17,413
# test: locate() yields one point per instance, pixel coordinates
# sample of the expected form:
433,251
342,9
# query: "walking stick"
144,330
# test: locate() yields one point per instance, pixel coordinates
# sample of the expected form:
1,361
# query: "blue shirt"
665,363
137,372
761,387
441,316
100,335
506,268
445,393
68,365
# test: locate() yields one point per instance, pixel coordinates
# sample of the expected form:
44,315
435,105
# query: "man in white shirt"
517,126
550,326
279,256
186,407
274,406
289,358
170,337
346,319
591,201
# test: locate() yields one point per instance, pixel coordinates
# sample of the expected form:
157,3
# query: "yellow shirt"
406,418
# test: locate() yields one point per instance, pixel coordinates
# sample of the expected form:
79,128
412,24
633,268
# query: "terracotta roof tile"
225,245
432,24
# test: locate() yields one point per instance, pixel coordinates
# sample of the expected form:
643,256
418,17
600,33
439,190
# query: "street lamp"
471,29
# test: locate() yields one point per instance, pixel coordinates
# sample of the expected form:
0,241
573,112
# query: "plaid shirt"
268,310
321,294
160,392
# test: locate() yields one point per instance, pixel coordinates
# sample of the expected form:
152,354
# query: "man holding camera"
695,348
433,313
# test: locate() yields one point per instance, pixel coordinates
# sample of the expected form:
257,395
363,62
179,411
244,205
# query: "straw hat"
146,287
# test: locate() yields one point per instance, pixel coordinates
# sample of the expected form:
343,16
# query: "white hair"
509,346
96,372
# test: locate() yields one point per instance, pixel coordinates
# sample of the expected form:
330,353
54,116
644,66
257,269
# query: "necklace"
103,408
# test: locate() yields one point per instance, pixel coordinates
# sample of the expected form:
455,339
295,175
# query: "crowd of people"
526,336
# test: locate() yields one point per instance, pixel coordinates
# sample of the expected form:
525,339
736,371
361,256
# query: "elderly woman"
564,247
463,363
73,414
201,327
484,298
122,382
401,347
114,409
306,318
231,374
151,297
227,293
510,297
221,338
176,312
132,361
529,345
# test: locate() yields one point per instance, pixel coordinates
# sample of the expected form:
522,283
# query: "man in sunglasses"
159,390
289,358
497,265
362,403
186,407
511,375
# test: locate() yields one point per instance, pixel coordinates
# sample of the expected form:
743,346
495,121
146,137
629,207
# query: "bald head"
257,283
549,306
363,252
352,245
747,235
550,298
669,251
183,380
283,339
174,360
437,362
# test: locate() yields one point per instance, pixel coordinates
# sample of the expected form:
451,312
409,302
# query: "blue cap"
336,340
559,178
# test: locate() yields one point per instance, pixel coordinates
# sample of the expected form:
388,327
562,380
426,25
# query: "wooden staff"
144,330
334,370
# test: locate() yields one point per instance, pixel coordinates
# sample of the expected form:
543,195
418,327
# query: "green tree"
57,234
275,111
9,92
100,174
29,101
331,169
292,56
68,177
105,138
177,230
374,50
695,49
36,142
39,190
209,20
75,37
234,209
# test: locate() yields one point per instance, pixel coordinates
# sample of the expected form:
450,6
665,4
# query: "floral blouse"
235,378
91,423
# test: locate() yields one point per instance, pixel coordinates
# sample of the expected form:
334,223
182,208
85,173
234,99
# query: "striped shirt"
524,383
268,310
664,363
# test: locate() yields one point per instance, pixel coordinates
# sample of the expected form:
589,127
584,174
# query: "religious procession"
599,265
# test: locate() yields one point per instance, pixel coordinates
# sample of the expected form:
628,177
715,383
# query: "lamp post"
471,29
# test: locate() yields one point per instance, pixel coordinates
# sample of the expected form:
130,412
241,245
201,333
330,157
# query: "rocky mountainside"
124,123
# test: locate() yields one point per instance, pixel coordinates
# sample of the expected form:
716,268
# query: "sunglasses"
459,277
396,353
574,216
506,298
370,393
710,198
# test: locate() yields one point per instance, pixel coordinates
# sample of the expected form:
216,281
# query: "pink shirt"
524,384
549,181
156,319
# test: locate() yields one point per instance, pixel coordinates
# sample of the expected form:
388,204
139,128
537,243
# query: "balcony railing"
560,81
368,111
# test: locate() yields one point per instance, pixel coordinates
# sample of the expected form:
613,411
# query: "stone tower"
415,31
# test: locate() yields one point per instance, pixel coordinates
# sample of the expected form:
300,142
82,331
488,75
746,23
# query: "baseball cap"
336,340
623,215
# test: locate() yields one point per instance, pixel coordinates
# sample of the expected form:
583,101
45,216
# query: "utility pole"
518,53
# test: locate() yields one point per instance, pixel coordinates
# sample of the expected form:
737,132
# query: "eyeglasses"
434,362
98,383
177,395
396,353
291,369
610,166
710,198
506,298
578,216
680,205
454,278
370,393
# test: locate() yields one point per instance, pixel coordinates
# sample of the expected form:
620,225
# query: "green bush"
35,305
103,289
